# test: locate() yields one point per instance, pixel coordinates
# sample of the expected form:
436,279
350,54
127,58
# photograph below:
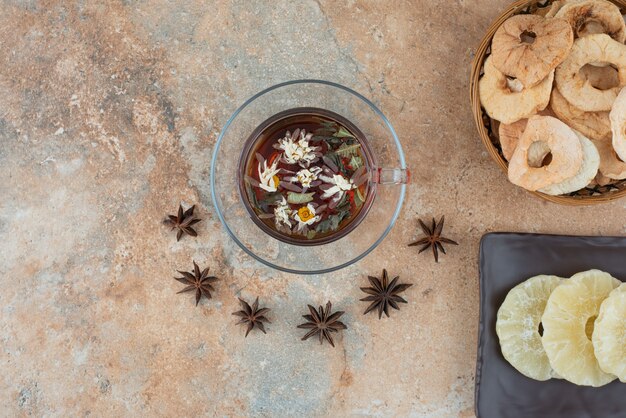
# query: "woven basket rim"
478,111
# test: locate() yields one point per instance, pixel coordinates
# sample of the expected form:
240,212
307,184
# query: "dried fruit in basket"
506,105
589,17
555,7
549,135
529,47
601,180
594,125
510,133
610,164
618,124
599,48
587,172
584,90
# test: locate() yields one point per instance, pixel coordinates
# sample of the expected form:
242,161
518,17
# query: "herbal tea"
305,176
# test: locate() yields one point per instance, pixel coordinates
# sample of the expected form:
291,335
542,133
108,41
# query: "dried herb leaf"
299,198
268,200
345,207
252,196
327,129
332,222
356,162
343,133
346,150
338,162
271,198
290,186
251,181
359,199
333,142
320,137
344,204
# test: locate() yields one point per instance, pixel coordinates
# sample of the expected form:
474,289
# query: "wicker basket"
587,196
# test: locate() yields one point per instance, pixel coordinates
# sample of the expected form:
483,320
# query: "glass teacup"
387,176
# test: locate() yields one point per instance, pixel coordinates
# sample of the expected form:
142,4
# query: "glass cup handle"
391,176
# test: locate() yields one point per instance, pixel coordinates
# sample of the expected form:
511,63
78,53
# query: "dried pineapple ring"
588,17
610,165
529,47
587,172
568,327
577,90
594,125
609,334
618,124
507,106
517,326
543,135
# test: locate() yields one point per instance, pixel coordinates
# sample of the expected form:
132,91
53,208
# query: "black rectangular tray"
507,259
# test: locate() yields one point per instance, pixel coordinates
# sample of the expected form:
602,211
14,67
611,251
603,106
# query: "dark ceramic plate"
507,259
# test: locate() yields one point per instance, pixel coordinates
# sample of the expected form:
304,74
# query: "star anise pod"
433,238
252,315
198,281
384,294
323,323
183,221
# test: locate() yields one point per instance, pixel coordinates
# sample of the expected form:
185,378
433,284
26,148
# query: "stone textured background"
108,117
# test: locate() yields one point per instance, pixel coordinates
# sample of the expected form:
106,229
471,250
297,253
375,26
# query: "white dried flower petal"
282,213
266,176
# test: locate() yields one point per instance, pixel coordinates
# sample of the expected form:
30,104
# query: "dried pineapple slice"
518,325
568,322
609,334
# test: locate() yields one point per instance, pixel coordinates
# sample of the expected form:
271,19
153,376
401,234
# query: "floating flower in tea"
305,216
307,177
336,185
268,179
282,214
297,149
339,185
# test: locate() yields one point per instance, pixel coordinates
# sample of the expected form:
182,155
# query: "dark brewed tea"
305,176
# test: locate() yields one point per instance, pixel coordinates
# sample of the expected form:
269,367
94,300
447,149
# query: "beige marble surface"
108,116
